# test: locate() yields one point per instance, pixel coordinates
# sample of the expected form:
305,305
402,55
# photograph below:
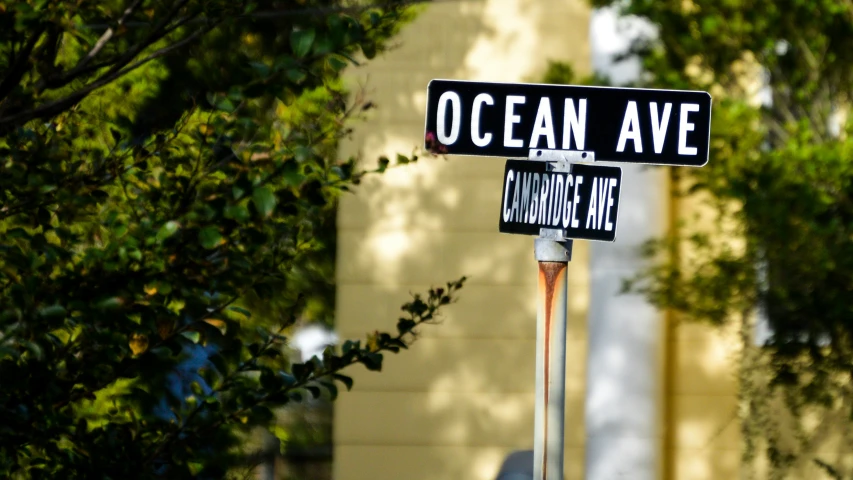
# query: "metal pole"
553,257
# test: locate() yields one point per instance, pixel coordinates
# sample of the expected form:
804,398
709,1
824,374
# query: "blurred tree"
167,169
778,191
561,73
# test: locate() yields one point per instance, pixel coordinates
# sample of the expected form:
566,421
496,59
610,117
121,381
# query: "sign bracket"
559,161
562,156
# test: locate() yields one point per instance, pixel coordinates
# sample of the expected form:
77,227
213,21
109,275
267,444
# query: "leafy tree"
774,238
167,168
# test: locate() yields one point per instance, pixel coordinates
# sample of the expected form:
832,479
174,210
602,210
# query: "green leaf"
282,435
374,17
35,349
195,467
263,332
351,346
261,68
301,41
225,104
292,173
241,311
373,361
315,391
43,216
405,325
255,90
347,381
112,303
369,50
336,63
332,388
271,353
287,379
209,237
269,380
192,336
296,75
237,212
710,24
11,315
119,229
167,230
288,97
195,387
301,371
383,163
53,311
16,233
261,414
237,192
264,200
323,45
304,153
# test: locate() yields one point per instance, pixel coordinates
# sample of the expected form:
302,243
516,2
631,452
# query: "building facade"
646,398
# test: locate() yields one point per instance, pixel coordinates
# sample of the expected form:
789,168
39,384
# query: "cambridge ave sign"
662,127
583,203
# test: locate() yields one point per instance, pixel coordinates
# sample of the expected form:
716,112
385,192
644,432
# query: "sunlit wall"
462,398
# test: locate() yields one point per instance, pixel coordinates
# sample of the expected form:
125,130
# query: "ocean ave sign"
583,203
663,127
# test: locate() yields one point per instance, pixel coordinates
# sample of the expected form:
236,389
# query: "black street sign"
583,203
663,127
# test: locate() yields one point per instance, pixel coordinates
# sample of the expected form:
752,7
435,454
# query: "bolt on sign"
663,127
583,203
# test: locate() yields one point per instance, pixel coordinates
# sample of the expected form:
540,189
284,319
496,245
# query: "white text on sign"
551,200
665,127
583,203
573,124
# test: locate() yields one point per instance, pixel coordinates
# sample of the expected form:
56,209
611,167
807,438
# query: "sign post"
553,254
556,194
553,257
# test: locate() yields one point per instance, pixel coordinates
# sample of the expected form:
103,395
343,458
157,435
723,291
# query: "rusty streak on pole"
553,257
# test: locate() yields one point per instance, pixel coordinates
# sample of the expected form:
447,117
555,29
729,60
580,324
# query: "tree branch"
58,106
19,68
160,30
105,38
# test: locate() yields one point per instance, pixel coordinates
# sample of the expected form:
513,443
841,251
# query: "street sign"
662,127
557,199
583,203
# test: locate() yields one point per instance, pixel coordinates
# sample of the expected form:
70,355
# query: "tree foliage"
778,187
168,167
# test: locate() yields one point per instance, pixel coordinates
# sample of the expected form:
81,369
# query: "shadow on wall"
462,398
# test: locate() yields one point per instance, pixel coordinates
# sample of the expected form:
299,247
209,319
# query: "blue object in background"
179,380
517,466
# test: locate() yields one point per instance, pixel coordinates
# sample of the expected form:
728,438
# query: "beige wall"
462,398
702,428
